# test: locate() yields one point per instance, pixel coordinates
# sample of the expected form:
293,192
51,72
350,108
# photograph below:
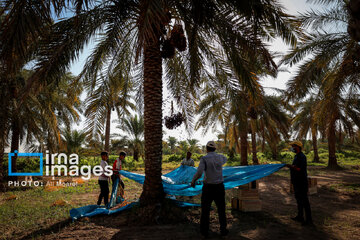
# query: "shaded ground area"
336,214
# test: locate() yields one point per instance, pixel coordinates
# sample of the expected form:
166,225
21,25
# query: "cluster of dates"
177,40
174,121
354,21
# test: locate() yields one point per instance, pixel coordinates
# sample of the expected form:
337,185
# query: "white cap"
211,144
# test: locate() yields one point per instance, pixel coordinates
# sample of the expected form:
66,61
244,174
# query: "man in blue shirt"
213,188
298,174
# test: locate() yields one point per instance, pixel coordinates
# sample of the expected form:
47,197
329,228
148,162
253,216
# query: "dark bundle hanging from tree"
356,53
178,38
251,112
168,50
354,21
174,120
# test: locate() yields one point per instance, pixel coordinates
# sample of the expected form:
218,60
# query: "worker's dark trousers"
302,201
104,187
212,192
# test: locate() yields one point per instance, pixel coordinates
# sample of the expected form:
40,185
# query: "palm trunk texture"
253,145
2,170
244,146
15,138
315,148
332,146
153,192
107,129
136,155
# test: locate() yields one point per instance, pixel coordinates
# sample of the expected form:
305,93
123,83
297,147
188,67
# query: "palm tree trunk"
340,138
323,134
107,129
263,138
244,147
3,133
2,170
315,148
332,146
136,155
253,144
237,147
274,151
153,192
15,139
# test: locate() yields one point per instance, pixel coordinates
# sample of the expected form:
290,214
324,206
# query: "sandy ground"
336,215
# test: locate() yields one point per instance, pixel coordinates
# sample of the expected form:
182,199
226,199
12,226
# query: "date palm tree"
17,46
134,127
304,122
194,145
182,148
22,26
333,57
273,122
112,93
40,116
172,143
118,145
133,31
73,140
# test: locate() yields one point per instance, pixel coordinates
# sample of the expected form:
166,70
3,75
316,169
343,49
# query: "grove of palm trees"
157,79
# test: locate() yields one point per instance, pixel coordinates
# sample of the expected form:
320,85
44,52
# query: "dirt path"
336,214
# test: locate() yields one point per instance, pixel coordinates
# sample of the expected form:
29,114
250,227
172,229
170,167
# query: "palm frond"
317,20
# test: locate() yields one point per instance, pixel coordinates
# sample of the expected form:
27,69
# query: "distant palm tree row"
173,146
215,75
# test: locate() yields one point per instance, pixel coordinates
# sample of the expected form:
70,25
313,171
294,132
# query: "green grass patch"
345,188
32,208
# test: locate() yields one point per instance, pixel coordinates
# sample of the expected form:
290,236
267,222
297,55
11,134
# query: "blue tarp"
92,210
177,182
113,200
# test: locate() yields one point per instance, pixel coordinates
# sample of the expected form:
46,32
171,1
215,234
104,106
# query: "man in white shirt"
213,188
104,180
188,161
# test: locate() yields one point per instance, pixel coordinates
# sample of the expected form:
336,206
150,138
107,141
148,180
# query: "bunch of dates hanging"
353,7
177,40
174,120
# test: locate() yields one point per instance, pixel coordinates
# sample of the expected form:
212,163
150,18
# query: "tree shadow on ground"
57,227
272,223
326,206
264,225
